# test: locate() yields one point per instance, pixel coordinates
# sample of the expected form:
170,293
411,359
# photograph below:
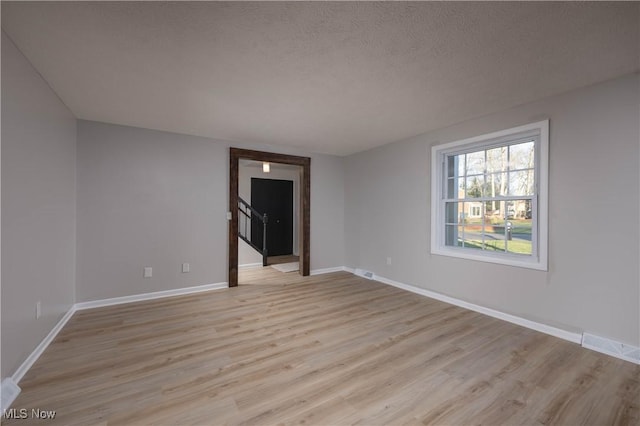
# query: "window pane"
475,186
494,236
461,188
519,227
522,209
454,213
521,156
451,165
475,163
497,159
473,232
519,246
496,185
494,211
473,212
521,183
455,187
453,235
472,239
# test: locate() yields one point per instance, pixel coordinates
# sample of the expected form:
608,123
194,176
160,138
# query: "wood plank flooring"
286,258
331,349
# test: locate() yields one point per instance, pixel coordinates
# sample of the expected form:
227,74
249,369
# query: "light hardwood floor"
274,260
329,349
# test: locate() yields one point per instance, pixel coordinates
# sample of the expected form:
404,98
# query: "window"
489,197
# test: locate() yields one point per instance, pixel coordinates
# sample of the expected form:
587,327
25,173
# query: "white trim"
543,196
329,270
33,357
10,391
611,347
538,260
149,296
250,265
490,257
543,328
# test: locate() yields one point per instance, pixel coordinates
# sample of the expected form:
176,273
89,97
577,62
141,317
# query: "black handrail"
249,213
243,203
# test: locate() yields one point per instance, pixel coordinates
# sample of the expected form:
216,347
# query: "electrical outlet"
148,272
38,309
186,267
388,261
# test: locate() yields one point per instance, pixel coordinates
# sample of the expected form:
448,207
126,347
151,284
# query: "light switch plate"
148,272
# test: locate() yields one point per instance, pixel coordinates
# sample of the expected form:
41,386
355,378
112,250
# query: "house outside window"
489,197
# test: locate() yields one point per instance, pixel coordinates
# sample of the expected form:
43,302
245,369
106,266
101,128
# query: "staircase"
251,220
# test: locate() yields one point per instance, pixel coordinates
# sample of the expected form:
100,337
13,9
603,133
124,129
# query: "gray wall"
593,281
38,207
151,198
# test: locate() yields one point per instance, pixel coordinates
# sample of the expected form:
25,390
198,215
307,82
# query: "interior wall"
38,207
246,254
158,199
593,280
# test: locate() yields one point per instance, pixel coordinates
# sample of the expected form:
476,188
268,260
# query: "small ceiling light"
266,167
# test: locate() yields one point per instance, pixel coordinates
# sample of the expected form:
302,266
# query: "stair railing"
247,215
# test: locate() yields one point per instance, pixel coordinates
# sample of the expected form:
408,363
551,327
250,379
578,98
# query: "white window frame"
540,226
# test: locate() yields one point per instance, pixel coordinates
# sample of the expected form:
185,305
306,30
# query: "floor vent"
364,274
611,347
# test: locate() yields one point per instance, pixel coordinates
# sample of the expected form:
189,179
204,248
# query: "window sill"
502,259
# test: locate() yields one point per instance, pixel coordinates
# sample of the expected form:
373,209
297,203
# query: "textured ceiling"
336,78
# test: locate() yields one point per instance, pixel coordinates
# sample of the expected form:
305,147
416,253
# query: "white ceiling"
335,78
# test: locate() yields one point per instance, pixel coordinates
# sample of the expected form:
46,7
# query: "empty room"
323,213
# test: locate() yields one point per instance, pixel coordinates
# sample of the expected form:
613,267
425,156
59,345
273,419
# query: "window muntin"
488,199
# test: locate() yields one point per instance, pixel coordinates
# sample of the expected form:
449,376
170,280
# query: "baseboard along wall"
600,344
10,389
250,265
149,296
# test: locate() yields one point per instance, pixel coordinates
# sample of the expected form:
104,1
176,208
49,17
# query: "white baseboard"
250,265
149,296
9,382
600,344
611,347
33,357
574,337
329,270
10,391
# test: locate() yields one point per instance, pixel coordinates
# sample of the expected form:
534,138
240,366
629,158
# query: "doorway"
235,156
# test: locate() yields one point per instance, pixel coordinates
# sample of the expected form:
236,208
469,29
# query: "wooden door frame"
235,154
